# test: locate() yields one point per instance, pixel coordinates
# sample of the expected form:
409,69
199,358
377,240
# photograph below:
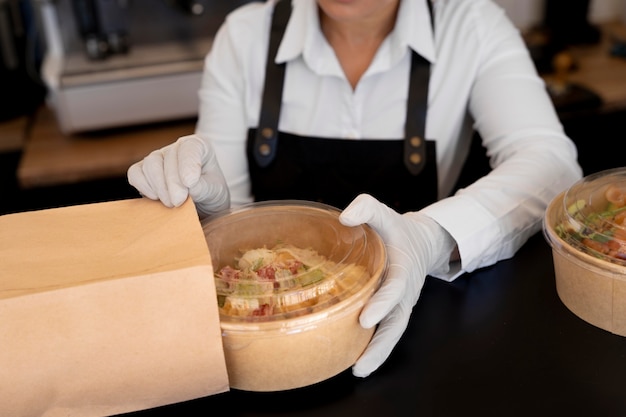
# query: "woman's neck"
355,42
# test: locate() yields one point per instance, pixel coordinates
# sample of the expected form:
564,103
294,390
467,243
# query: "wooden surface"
12,134
51,158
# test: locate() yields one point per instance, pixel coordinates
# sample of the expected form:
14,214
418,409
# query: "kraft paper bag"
106,308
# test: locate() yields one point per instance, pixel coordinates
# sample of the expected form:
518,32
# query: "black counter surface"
496,342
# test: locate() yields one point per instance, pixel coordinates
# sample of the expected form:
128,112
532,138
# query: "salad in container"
586,228
291,281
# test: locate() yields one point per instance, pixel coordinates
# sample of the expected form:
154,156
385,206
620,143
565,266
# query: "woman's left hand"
416,246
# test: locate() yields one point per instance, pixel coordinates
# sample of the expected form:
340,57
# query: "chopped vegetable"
285,279
599,233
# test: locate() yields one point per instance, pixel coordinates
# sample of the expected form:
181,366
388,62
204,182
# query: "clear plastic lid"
592,218
278,260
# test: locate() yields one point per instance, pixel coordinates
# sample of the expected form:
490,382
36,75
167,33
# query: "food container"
291,281
586,228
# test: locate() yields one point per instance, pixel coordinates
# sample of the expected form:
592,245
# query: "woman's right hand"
186,168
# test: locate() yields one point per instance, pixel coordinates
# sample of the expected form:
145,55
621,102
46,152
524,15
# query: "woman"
369,102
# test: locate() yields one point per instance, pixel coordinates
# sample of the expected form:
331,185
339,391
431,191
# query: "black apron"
401,173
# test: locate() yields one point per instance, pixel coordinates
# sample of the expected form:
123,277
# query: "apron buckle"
414,154
265,146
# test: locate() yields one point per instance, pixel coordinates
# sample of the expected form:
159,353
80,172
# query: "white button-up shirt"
481,78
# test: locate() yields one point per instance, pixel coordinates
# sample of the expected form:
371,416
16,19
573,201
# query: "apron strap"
416,109
415,124
266,138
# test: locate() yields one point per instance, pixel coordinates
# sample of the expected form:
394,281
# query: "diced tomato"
294,266
620,234
613,245
616,196
620,218
267,272
262,311
229,273
595,245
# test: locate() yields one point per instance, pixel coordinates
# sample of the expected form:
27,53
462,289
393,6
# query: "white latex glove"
186,168
416,246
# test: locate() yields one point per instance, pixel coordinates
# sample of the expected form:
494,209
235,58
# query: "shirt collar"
303,35
414,28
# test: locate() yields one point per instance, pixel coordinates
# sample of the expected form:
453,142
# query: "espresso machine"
115,63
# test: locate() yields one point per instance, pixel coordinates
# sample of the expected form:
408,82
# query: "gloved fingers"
137,179
174,191
388,296
191,157
155,185
201,174
385,339
211,195
366,209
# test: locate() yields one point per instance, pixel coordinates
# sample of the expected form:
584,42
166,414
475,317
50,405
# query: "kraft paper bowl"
315,338
588,240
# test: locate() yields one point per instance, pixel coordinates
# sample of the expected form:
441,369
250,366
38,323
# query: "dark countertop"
496,342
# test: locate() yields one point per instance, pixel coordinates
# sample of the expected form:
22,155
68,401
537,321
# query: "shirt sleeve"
532,158
224,94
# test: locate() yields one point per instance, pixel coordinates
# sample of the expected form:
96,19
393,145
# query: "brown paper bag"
106,308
